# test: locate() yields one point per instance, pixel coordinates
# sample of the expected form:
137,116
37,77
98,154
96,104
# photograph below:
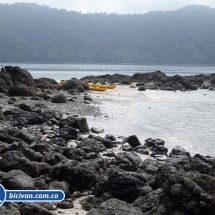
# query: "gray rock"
150,202
14,160
128,161
82,124
56,185
80,176
29,153
142,88
59,98
179,150
116,207
17,180
149,166
123,185
65,205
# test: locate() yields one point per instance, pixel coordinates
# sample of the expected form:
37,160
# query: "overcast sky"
117,6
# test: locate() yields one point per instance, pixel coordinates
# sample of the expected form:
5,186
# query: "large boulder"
149,166
128,161
59,98
80,176
150,202
133,141
14,160
56,185
188,193
126,186
156,146
73,84
46,83
17,180
17,82
200,163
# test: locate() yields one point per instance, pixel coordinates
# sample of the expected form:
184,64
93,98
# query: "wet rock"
116,207
59,98
33,208
17,180
133,141
14,160
179,150
156,146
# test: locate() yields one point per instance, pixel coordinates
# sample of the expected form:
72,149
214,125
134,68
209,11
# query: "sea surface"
179,118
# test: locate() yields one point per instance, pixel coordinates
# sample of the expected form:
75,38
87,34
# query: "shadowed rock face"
17,82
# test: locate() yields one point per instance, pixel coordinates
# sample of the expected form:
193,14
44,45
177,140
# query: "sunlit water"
179,118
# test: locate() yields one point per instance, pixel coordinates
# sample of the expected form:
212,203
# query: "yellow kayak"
61,82
102,86
97,88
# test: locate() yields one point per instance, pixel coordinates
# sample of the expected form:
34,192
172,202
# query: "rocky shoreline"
46,143
158,81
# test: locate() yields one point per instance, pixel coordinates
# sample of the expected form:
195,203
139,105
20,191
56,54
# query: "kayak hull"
102,86
97,88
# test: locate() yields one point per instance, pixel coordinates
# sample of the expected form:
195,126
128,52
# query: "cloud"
117,6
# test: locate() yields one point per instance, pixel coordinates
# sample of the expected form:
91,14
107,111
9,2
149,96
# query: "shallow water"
179,118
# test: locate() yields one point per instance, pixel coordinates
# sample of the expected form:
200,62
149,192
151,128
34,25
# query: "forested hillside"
34,33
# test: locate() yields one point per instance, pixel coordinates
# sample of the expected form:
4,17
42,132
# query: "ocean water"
179,118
